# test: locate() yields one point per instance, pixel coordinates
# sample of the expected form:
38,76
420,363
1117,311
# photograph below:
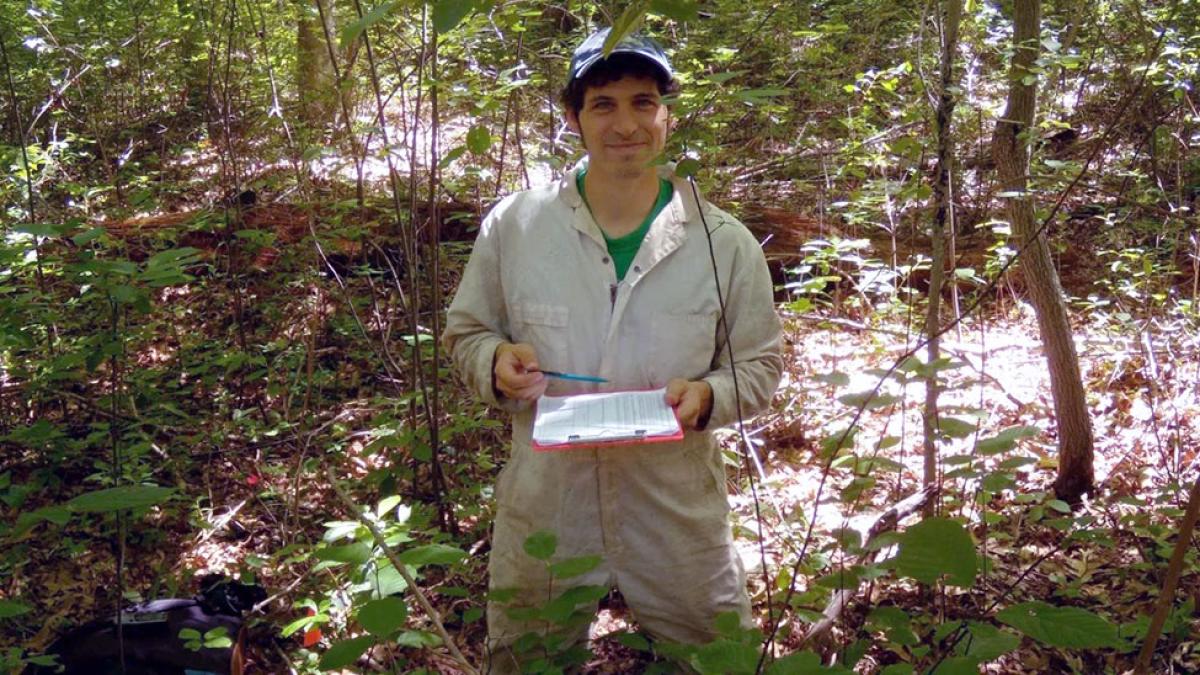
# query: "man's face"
623,125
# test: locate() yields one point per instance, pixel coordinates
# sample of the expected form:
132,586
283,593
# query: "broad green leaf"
898,669
10,608
41,229
1005,440
869,400
351,32
687,167
387,504
727,657
626,23
956,428
987,643
573,567
479,140
384,616
418,639
432,554
680,10
541,545
585,594
634,641
189,634
802,663
449,13
356,553
1067,627
936,547
120,498
345,653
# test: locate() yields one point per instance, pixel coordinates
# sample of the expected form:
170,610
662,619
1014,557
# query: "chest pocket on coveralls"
684,345
545,327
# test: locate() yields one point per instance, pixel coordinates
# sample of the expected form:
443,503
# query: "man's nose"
625,122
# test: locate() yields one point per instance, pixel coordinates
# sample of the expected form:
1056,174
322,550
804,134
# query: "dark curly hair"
610,70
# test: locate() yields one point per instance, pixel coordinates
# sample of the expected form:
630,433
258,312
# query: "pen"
571,376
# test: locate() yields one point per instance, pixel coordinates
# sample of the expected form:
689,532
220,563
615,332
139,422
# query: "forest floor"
261,503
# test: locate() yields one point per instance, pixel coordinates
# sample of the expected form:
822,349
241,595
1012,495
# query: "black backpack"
150,632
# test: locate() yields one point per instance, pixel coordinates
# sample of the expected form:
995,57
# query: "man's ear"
572,121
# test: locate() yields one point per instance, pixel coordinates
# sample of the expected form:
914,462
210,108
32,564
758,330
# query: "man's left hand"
692,401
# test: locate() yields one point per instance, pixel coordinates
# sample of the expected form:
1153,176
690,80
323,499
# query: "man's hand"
692,402
511,372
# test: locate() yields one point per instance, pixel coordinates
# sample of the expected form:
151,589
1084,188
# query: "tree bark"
941,208
314,68
1010,147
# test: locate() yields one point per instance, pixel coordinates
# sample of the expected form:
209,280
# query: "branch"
884,522
381,542
1174,570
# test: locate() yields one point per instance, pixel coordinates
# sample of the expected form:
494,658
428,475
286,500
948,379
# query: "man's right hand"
515,373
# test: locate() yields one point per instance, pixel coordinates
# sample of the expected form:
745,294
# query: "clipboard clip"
636,434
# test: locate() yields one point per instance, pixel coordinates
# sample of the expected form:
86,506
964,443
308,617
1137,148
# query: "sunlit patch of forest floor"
259,505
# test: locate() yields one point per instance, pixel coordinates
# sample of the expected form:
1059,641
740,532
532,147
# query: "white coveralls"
658,513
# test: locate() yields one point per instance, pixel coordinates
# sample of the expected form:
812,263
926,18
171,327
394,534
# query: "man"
608,273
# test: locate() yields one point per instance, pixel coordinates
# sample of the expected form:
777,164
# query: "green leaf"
898,669
627,23
418,639
1067,627
988,643
936,547
573,567
356,553
384,616
541,545
449,13
799,663
849,577
189,634
687,167
387,504
868,400
11,608
727,657
634,641
351,32
679,10
479,140
1005,440
120,498
432,554
955,428
345,653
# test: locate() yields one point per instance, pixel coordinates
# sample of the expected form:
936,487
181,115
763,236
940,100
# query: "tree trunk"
314,68
937,235
1010,148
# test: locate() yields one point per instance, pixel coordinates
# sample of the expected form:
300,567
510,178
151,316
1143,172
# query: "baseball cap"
591,51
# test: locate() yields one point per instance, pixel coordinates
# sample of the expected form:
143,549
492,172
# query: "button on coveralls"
657,513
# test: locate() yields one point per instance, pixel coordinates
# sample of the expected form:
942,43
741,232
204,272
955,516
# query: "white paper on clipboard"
607,417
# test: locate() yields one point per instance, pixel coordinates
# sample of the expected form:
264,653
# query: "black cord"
748,453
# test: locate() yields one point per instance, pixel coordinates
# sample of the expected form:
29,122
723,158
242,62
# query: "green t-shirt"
623,249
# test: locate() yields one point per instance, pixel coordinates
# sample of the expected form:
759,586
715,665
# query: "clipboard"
610,418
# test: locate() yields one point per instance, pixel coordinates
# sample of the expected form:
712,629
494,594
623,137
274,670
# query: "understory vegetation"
230,230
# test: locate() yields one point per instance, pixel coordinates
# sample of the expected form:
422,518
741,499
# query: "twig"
381,542
1174,570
